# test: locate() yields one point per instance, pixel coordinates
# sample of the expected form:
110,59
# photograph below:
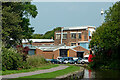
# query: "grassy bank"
54,74
46,66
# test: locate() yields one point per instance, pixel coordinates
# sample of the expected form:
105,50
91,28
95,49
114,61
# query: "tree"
50,34
106,40
47,35
15,22
37,36
113,14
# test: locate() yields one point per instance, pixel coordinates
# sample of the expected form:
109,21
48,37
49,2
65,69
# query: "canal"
101,74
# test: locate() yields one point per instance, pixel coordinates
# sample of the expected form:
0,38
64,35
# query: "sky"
67,14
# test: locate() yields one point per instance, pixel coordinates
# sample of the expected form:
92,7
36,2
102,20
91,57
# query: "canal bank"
74,75
101,74
45,75
92,74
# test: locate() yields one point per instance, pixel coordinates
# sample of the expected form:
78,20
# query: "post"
102,16
61,34
68,53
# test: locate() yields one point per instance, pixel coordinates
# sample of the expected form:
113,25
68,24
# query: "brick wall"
40,43
38,51
72,53
69,40
56,54
79,48
45,54
48,54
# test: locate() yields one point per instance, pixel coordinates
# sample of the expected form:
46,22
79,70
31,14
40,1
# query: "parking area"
69,60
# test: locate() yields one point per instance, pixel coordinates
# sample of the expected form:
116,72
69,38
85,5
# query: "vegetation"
37,36
45,66
36,61
106,40
15,22
12,60
55,74
47,35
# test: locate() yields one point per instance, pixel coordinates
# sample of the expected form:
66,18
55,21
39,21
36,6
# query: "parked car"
85,59
54,61
75,58
60,60
68,60
48,60
78,61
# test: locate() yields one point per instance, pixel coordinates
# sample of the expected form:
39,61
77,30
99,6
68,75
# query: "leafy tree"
47,35
13,60
113,14
106,40
50,34
37,36
15,22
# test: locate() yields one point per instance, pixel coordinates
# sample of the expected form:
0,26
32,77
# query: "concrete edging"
81,72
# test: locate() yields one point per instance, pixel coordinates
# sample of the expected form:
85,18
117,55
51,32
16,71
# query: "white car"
85,59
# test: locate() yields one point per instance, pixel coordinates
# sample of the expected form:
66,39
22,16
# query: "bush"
11,60
36,60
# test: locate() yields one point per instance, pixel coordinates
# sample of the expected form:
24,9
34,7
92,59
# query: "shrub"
36,60
11,59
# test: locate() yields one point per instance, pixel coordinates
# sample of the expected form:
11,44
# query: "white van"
85,59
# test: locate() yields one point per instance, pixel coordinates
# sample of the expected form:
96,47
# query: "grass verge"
47,66
50,75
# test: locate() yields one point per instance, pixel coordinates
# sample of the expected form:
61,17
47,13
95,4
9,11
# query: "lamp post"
102,17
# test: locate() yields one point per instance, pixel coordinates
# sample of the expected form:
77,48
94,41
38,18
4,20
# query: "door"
63,52
80,54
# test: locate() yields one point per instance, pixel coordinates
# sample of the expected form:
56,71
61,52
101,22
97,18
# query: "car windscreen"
70,58
65,59
85,57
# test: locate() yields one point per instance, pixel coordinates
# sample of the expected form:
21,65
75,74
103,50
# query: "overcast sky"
67,14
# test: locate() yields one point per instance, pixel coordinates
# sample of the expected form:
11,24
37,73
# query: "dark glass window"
73,44
64,36
79,35
73,35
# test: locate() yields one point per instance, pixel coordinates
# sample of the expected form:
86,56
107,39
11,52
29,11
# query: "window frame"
57,36
63,36
74,37
73,43
79,35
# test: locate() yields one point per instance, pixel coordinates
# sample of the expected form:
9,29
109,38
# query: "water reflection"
89,74
102,74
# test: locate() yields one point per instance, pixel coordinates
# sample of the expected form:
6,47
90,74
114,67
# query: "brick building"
50,51
74,36
39,42
69,42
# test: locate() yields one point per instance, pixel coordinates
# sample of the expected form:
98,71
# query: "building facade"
69,42
74,36
53,52
39,42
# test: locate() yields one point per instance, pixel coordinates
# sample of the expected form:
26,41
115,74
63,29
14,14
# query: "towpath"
35,72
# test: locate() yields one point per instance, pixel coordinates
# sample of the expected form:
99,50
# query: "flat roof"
37,40
50,47
77,27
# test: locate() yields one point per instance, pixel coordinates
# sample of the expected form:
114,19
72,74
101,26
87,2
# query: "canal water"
101,74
